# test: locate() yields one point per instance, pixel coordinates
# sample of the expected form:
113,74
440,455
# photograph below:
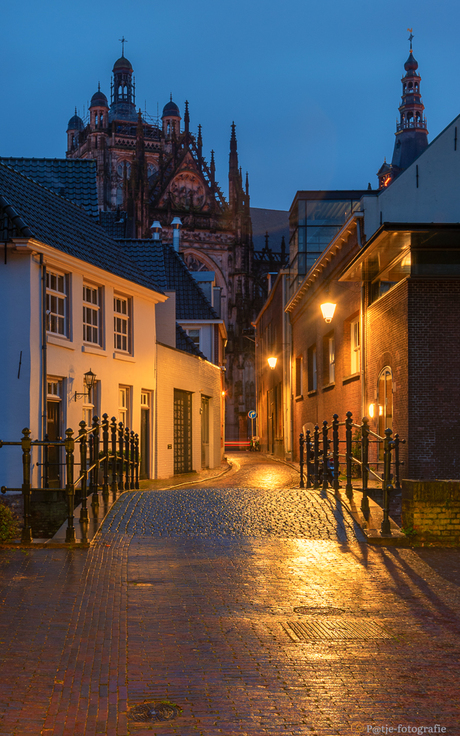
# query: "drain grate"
304,631
318,611
153,712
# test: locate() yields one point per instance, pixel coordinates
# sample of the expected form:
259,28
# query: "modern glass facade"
315,219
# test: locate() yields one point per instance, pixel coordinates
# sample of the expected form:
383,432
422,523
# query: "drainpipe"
362,328
44,366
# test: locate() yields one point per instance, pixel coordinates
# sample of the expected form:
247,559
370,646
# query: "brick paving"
188,595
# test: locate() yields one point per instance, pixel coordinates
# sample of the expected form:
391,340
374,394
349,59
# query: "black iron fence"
320,453
108,459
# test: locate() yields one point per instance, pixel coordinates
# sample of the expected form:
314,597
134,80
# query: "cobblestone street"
254,606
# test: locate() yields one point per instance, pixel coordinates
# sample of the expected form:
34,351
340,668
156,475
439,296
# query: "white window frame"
313,364
193,337
124,405
298,376
92,328
122,337
91,403
331,358
355,346
57,303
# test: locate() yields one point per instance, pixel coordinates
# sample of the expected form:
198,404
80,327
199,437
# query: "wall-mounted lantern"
89,380
328,309
272,362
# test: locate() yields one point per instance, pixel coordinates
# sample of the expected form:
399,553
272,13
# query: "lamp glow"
328,309
272,362
371,410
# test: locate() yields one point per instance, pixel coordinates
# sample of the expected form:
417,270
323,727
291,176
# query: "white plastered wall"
180,370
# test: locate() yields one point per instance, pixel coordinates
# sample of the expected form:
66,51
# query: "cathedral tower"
411,131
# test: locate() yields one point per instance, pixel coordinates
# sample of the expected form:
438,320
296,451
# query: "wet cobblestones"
185,596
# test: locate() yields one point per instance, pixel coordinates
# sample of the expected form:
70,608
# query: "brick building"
392,270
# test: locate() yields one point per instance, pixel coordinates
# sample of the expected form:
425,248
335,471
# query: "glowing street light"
328,309
272,362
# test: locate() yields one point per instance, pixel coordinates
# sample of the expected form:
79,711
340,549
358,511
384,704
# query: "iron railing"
105,446
323,463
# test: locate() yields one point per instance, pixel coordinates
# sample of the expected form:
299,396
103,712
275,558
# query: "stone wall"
431,510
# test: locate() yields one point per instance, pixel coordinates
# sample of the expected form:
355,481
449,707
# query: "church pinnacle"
411,130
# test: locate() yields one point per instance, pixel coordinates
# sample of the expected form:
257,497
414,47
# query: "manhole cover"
319,611
154,712
304,631
145,583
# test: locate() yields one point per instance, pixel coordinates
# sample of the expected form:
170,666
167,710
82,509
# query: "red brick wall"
386,345
309,328
434,378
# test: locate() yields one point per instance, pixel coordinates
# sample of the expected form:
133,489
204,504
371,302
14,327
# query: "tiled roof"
63,225
164,264
114,223
74,179
184,342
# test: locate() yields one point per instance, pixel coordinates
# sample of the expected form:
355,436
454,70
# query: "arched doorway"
385,402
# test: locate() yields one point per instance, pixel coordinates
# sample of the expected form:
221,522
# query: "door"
145,435
204,432
53,430
182,431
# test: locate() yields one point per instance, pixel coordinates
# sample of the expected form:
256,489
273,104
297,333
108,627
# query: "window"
312,369
124,405
56,302
331,358
92,314
194,335
91,404
355,346
121,320
298,376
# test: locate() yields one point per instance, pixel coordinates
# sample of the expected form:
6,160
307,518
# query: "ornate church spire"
411,131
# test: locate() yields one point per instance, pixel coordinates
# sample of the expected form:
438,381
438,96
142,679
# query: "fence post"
308,457
26,443
316,457
396,443
126,459
325,452
131,459
95,461
69,443
120,454
136,458
105,452
335,451
387,487
301,441
84,480
113,459
348,445
365,465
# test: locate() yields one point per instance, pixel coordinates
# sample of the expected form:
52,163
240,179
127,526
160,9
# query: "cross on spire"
410,37
123,41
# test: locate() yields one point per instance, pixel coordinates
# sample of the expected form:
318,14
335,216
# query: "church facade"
150,170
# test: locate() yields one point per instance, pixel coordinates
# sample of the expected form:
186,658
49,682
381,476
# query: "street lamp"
89,381
328,309
272,362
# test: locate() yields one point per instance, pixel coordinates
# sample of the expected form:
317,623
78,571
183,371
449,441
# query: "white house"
74,301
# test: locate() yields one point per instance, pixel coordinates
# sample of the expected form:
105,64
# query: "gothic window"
119,198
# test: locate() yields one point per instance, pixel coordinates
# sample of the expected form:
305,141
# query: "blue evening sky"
313,87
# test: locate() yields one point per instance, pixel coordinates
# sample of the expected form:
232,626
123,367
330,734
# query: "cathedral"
154,170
